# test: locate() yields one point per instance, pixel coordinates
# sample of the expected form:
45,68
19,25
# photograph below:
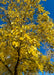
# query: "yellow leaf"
21,38
16,44
18,0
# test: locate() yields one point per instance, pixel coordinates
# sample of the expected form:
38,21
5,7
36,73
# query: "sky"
49,6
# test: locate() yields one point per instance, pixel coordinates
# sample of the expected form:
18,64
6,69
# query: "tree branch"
3,9
6,67
18,60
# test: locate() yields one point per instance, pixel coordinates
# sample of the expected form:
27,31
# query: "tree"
20,39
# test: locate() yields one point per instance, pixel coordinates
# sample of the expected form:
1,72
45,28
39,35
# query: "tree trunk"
25,73
17,63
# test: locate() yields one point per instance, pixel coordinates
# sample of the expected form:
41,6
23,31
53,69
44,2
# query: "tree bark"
17,63
18,60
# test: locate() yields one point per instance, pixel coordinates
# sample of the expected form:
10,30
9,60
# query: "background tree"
20,38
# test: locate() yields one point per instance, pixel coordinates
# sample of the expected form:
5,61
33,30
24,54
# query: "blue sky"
49,6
